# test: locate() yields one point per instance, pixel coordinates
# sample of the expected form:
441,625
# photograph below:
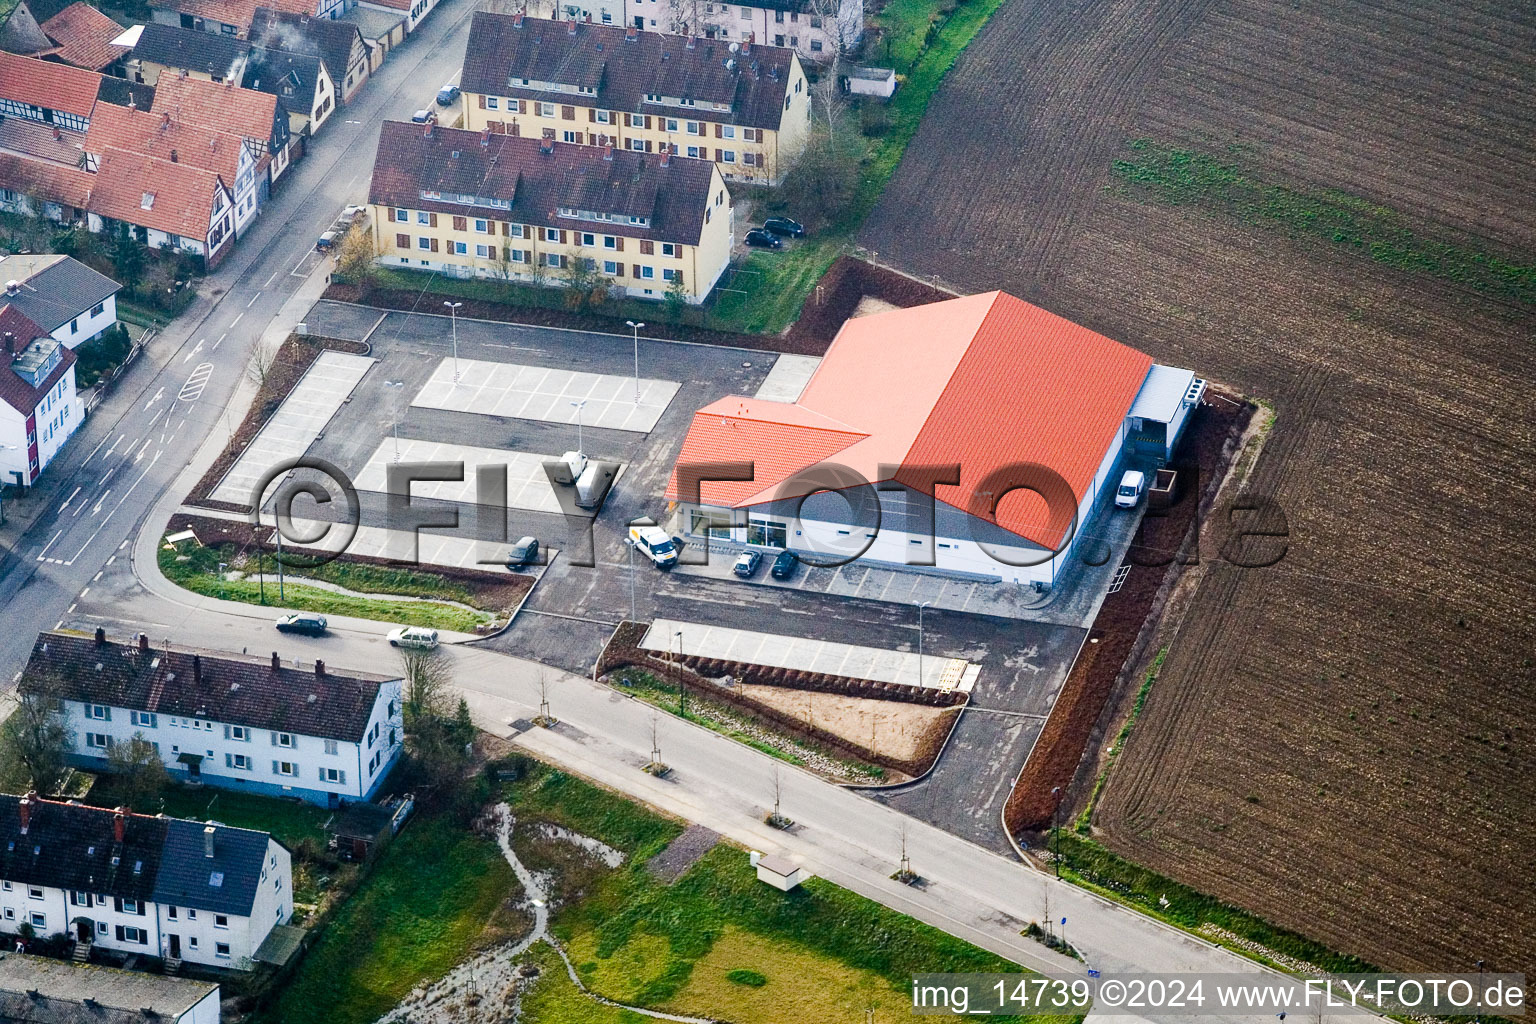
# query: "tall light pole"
631,546
578,406
453,320
635,333
920,606
397,384
5,448
682,689
1056,827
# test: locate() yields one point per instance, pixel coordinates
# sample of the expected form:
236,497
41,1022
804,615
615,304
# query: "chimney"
208,841
570,27
631,34
173,157
119,823
319,667
101,635
197,669
692,42
608,152
24,808
517,20
57,135
546,146
666,154
143,641
277,662
589,17
428,132
746,44
485,138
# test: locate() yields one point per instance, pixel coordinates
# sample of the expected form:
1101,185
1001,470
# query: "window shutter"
434,245
119,932
432,220
460,224
637,269
343,778
567,112
647,124
718,132
274,768
273,737
618,270
591,115
564,238
506,229
401,242
482,102
647,247
229,759
618,243
647,144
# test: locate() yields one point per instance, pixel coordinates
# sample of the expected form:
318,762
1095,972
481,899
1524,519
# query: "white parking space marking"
542,393
395,545
776,651
294,427
528,486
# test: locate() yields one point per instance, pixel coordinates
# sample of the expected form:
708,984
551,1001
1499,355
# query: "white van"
1132,483
653,543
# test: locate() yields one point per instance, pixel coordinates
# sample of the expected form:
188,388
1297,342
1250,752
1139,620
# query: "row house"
186,891
504,206
337,42
747,108
815,30
300,82
47,93
234,17
233,722
257,117
166,139
171,49
78,35
165,204
63,296
44,990
39,408
413,11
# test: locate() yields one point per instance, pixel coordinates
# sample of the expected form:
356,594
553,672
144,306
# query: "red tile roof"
223,106
84,36
15,391
46,83
234,12
164,137
182,201
43,179
987,381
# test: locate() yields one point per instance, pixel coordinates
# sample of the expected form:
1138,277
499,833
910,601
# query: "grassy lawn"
776,284
199,574
718,941
288,820
428,898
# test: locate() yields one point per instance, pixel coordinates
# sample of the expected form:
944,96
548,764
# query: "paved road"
175,395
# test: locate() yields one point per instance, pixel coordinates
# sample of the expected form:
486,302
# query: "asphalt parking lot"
575,607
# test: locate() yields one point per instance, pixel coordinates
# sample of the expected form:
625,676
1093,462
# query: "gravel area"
683,853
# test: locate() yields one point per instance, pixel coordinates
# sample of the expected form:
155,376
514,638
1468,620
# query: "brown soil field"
900,732
1345,741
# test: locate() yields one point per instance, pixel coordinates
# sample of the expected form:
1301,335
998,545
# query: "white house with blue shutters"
228,721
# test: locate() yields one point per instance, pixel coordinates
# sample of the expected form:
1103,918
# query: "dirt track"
1344,741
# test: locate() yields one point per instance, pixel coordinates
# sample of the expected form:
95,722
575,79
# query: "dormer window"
148,201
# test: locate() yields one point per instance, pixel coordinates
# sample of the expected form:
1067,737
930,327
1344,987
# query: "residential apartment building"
183,890
816,29
238,723
39,408
745,107
63,296
42,990
162,137
505,206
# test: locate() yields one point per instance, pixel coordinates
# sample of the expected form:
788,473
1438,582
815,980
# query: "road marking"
112,559
91,456
235,320
69,499
298,268
114,445
59,624
97,576
268,282
219,342
196,382
72,608
144,449
119,547
112,513
101,499
195,350
87,590
158,395
248,305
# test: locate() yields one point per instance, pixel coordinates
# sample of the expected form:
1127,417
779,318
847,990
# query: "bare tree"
842,30
426,681
544,718
778,788
140,772
263,359
682,17
35,740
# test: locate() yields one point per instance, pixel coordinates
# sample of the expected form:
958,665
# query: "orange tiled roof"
44,179
164,137
182,202
220,105
84,36
234,12
986,381
46,83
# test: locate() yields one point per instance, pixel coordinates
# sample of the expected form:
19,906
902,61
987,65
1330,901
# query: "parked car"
422,116
447,95
418,637
524,552
784,566
784,226
307,623
653,542
757,238
747,563
1132,483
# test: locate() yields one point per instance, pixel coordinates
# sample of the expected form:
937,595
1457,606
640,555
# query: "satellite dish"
735,47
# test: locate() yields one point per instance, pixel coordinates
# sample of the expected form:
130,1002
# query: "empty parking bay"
776,651
528,486
541,393
298,421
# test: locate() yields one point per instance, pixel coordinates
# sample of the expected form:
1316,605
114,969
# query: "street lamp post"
631,546
453,320
920,606
1056,827
682,689
635,333
222,567
397,384
578,406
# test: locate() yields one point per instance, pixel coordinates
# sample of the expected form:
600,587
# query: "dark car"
306,623
524,552
747,563
784,566
784,226
447,95
760,239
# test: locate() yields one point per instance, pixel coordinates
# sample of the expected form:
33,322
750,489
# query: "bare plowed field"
1344,742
